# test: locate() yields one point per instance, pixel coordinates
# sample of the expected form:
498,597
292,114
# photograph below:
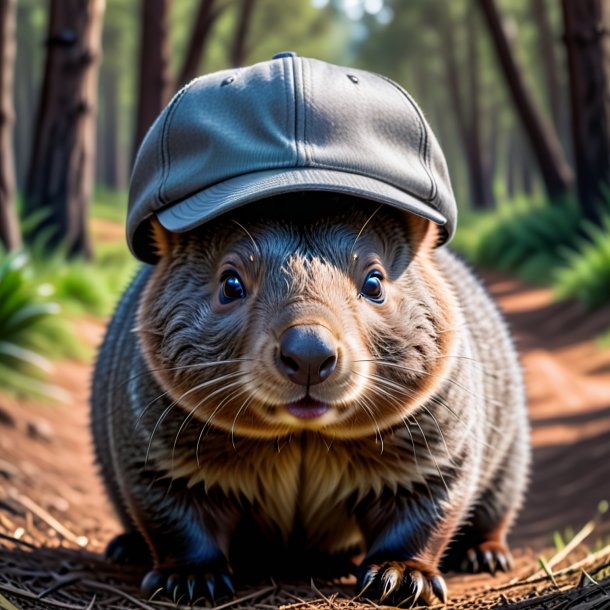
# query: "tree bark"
467,115
586,24
155,84
480,163
62,167
207,14
29,57
545,144
239,47
511,163
525,161
10,237
549,60
113,161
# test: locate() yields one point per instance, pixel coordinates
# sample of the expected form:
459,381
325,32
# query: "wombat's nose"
307,354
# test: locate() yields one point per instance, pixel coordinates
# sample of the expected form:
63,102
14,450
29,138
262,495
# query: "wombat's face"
268,325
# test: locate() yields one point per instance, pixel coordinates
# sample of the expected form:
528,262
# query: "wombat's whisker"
192,412
416,462
433,399
208,422
469,430
163,369
147,406
145,409
167,410
429,374
243,406
258,250
425,439
440,431
366,222
362,402
393,386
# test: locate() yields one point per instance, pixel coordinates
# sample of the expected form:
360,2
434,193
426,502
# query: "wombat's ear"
423,234
162,239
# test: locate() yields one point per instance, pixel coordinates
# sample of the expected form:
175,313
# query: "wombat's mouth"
307,408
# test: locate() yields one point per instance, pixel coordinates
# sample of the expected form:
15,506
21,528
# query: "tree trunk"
549,60
482,196
114,161
467,119
61,173
239,48
206,16
155,83
525,160
586,23
511,163
545,144
111,157
9,228
29,58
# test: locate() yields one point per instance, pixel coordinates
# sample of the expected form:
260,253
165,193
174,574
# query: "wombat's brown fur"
287,387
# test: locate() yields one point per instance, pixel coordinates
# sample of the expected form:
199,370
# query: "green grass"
87,287
109,205
41,294
544,243
524,237
29,328
586,273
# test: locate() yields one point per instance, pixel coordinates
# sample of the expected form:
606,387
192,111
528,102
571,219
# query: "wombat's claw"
401,582
187,585
128,548
489,556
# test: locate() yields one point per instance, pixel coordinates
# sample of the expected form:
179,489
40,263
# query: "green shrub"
109,205
86,287
523,237
585,274
25,313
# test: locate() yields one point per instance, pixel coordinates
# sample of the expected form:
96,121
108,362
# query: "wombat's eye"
231,287
372,288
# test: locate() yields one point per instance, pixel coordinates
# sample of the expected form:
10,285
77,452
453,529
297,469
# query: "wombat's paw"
401,582
187,584
128,548
489,556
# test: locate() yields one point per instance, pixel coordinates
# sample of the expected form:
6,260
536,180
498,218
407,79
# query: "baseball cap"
286,125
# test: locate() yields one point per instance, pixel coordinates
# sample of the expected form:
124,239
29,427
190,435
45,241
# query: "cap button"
284,54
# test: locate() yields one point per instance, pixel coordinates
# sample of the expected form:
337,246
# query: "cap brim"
225,196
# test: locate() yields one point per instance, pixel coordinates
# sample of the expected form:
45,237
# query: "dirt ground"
50,495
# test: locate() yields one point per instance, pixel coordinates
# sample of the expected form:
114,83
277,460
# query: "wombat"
300,380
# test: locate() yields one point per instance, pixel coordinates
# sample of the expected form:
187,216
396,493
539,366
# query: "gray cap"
286,125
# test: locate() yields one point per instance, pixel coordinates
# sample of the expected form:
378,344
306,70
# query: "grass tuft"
29,327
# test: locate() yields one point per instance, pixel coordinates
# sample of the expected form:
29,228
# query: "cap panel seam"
299,111
285,63
165,152
306,147
424,141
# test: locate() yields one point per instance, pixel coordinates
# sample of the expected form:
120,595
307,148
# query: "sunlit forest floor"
56,521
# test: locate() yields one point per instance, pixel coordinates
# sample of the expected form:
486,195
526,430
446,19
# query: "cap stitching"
306,146
286,61
299,112
424,143
165,153
282,64
335,188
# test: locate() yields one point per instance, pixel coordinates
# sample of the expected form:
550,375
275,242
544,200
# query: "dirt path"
46,465
568,382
